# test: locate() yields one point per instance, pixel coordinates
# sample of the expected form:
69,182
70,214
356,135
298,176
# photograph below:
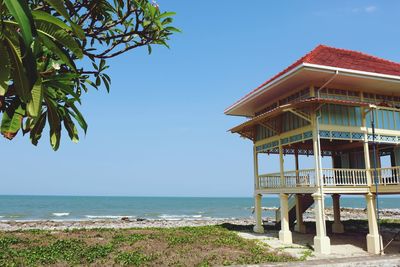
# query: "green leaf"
34,106
71,129
57,50
59,35
4,70
54,122
58,5
78,117
66,88
102,64
106,83
44,16
172,29
166,14
12,120
37,129
18,74
19,9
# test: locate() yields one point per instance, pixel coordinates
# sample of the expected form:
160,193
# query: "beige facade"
331,120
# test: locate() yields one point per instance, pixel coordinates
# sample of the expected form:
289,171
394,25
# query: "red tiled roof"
340,58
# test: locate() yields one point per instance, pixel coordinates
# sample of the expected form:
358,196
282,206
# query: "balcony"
306,178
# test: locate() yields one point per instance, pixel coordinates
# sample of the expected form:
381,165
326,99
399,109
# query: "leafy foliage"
42,45
133,247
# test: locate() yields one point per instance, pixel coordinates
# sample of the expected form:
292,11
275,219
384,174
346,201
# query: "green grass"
133,258
186,246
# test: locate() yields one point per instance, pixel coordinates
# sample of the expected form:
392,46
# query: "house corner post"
366,149
299,226
337,226
374,239
285,235
322,244
258,227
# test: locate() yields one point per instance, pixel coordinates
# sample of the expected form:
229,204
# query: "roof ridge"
358,52
325,55
290,67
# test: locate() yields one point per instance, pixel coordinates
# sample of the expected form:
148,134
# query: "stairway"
307,201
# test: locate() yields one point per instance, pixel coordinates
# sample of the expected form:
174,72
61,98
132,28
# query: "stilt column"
367,160
322,243
300,226
285,235
337,226
374,240
258,227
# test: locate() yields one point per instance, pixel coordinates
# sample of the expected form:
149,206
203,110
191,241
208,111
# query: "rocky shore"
122,223
346,214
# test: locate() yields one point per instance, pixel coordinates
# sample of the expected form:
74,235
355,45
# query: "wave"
171,217
60,214
108,216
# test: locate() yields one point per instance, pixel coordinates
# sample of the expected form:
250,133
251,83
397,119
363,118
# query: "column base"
259,229
337,228
285,236
322,245
373,245
300,228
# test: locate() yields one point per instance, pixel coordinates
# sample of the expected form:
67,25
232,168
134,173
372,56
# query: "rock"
125,219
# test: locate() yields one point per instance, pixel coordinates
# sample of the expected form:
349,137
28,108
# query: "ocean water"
22,208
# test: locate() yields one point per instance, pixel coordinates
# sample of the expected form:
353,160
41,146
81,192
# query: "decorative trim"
268,147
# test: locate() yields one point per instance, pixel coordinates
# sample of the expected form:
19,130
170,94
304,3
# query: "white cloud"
366,9
370,9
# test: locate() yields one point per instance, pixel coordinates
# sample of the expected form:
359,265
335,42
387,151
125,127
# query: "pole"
321,179
376,178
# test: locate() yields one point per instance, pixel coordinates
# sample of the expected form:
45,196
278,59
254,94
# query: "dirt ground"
352,243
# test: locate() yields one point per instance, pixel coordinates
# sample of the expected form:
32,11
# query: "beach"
126,222
219,241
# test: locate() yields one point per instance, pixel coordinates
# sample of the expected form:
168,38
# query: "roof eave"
267,86
351,72
315,67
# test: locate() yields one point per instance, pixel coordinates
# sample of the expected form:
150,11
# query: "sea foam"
108,216
60,214
169,217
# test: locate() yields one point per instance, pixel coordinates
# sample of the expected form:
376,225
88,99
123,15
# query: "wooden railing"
291,179
299,178
353,177
386,176
272,180
331,177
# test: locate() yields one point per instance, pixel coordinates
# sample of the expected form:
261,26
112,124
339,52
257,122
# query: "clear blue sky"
161,131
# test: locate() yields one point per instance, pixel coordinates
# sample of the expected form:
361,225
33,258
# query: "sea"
27,208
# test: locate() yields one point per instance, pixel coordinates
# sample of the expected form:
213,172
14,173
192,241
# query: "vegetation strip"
185,246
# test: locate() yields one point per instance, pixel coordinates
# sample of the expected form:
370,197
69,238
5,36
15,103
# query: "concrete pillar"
316,151
322,243
367,160
281,165
258,227
300,226
374,240
337,226
255,166
296,162
285,235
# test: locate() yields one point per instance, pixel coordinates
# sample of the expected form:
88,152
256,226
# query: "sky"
161,130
